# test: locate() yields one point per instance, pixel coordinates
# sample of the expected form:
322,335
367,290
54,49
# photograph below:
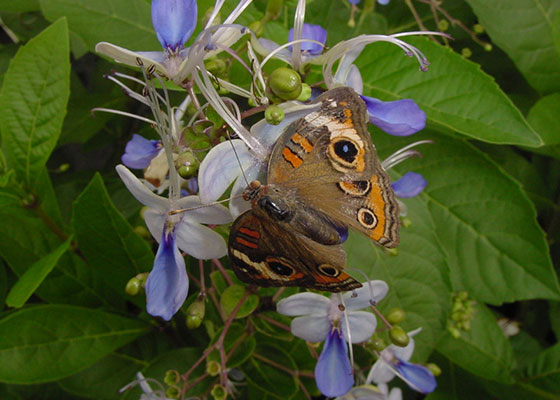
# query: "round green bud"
257,27
488,47
454,332
133,286
305,92
173,392
63,167
216,66
463,295
252,102
443,25
142,232
219,392
466,52
378,343
213,368
285,83
172,377
195,314
395,316
351,23
406,222
187,164
434,369
143,277
274,114
398,336
477,28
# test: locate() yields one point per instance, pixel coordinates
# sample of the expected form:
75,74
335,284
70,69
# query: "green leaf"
231,297
34,276
104,378
125,23
45,343
555,317
237,339
107,240
544,117
268,378
524,29
484,222
456,95
263,323
33,101
483,351
544,374
19,6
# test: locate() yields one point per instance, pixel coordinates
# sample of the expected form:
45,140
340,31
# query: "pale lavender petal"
129,57
174,21
313,32
354,1
265,47
362,326
141,191
167,285
398,118
345,68
362,297
215,214
409,185
199,241
354,79
311,328
333,372
155,220
395,394
305,303
364,392
380,372
220,168
140,151
416,376
383,2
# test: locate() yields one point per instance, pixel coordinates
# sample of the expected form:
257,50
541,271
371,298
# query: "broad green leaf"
237,339
4,285
231,297
33,101
34,276
268,378
107,240
524,29
19,6
103,379
273,324
456,95
544,373
483,351
50,342
544,117
484,222
125,23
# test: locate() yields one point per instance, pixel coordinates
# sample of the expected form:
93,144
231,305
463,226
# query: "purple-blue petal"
354,1
398,118
416,376
383,2
167,285
139,152
411,184
333,372
313,32
174,22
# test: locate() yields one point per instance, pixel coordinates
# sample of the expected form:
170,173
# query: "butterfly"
323,177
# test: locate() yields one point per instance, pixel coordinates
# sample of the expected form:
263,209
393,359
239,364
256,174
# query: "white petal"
311,328
129,57
204,214
199,241
237,205
220,168
346,64
362,326
372,290
306,303
154,221
140,191
380,372
395,394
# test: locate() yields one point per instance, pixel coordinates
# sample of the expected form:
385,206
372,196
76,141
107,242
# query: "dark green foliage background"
488,222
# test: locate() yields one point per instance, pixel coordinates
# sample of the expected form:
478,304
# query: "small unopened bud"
488,47
172,377
395,316
477,28
173,392
195,314
466,52
274,114
443,25
398,336
434,369
257,27
216,66
285,83
305,92
406,222
219,392
378,343
213,368
187,164
142,231
133,286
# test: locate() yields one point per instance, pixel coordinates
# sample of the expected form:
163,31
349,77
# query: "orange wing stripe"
292,158
303,142
246,243
249,232
378,206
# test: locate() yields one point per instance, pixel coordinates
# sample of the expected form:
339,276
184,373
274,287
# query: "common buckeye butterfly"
323,177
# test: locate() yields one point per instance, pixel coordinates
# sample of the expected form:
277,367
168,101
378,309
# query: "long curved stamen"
288,44
298,31
403,154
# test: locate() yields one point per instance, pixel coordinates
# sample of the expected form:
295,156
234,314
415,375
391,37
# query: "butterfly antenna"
238,160
182,210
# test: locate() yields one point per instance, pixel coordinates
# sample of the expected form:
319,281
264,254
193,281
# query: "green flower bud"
443,25
285,83
454,332
351,23
143,277
173,392
213,368
133,286
466,52
216,66
252,102
488,47
187,164
172,377
395,316
142,231
219,392
305,92
257,27
398,336
195,314
477,28
434,369
406,222
63,167
378,343
273,115
29,201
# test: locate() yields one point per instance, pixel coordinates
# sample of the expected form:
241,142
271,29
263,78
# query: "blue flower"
398,118
313,32
409,185
174,22
333,372
139,152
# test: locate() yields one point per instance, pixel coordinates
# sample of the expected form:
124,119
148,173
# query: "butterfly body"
323,177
